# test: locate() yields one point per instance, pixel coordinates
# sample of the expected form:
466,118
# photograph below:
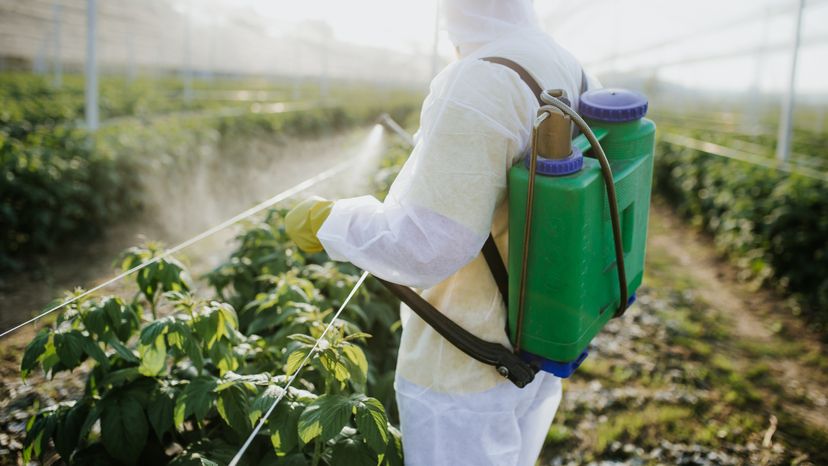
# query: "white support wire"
209,232
293,376
742,156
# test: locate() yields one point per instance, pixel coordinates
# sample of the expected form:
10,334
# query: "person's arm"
439,210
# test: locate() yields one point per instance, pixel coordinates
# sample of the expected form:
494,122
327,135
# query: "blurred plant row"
60,182
772,224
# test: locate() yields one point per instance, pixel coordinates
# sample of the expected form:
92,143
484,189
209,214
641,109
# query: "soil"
755,312
704,369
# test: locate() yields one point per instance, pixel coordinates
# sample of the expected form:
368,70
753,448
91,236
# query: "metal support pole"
436,42
91,78
297,76
783,142
324,76
57,62
188,64
752,120
130,45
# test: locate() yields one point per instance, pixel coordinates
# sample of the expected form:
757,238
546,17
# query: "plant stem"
317,452
152,307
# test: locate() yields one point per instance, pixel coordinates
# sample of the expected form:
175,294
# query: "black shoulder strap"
490,251
507,363
498,268
521,71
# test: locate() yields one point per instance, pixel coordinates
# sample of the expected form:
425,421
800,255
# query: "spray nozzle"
554,134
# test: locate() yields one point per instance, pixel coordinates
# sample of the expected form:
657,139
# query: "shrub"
774,225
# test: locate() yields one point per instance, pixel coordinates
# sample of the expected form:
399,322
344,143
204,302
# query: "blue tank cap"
559,167
613,105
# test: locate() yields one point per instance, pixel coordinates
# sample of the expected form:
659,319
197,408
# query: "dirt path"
703,370
759,316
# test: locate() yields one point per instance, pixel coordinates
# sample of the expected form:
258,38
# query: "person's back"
428,233
494,92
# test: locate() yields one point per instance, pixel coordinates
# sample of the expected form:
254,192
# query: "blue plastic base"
558,368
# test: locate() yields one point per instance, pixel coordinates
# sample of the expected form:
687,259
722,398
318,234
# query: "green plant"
60,183
773,225
186,382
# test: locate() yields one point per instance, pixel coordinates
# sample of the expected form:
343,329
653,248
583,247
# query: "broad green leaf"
69,428
195,399
295,459
205,327
153,330
122,318
33,352
38,434
371,421
223,356
153,357
302,338
93,455
91,419
362,336
233,407
249,380
393,453
330,360
295,360
124,428
49,358
283,426
353,452
69,347
228,315
194,459
178,335
121,376
125,353
264,401
193,351
324,418
94,320
91,348
160,411
358,366
263,322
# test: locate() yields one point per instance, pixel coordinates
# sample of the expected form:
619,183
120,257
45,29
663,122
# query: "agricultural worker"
428,233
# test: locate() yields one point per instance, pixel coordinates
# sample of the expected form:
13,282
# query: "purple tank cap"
559,167
613,105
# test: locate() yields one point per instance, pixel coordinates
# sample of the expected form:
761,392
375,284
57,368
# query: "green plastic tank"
572,286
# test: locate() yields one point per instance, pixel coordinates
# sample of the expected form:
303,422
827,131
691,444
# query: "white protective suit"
428,233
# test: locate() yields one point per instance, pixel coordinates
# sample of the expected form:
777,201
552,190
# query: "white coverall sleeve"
474,125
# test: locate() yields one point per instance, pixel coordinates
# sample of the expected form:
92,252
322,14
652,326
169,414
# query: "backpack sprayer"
578,213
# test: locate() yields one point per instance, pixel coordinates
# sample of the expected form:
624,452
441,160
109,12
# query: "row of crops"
61,182
771,223
182,372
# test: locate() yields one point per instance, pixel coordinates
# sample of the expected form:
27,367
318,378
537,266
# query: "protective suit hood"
474,23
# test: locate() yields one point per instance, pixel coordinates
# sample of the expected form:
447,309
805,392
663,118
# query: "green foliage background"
180,374
60,182
772,224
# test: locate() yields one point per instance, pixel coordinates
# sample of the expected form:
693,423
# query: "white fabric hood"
472,23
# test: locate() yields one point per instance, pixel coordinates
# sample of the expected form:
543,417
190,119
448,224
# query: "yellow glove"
304,221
